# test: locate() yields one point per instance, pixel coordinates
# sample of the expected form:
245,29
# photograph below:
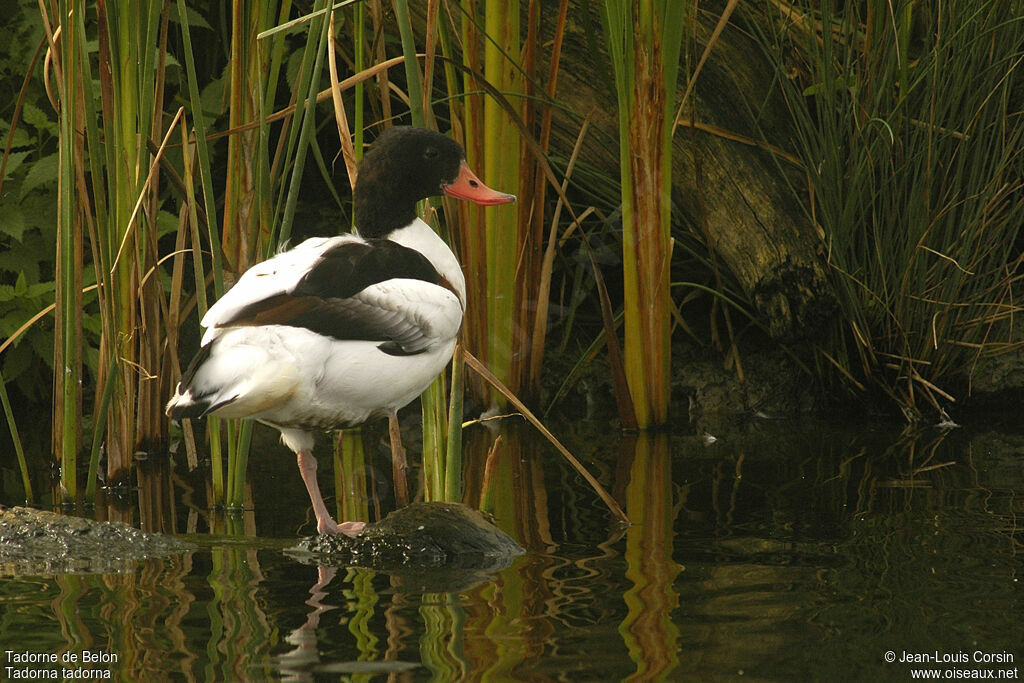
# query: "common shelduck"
341,330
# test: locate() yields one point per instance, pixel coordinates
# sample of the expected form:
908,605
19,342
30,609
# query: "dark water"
781,551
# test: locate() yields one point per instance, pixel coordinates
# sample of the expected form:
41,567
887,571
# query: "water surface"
782,550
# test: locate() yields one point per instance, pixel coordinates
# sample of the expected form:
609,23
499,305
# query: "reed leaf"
453,456
479,368
19,450
413,78
350,481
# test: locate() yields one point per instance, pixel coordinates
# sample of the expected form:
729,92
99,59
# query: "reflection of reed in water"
649,631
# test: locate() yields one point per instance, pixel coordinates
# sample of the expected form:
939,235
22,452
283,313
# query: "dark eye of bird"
430,153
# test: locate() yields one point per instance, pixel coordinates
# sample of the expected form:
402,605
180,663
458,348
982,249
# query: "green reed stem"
453,459
19,451
306,106
98,429
645,43
501,169
203,153
240,435
67,352
434,432
414,81
350,485
206,181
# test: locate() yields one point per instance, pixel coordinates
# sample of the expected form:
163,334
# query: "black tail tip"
186,409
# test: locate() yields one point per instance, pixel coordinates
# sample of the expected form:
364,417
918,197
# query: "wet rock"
40,542
420,543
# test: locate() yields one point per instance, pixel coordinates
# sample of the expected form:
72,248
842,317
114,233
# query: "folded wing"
346,288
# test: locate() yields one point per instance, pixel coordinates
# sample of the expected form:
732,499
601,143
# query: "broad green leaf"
36,117
40,173
12,222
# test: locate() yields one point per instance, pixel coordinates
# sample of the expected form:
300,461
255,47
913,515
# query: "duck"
342,330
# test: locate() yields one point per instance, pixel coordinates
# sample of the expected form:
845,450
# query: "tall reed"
645,41
496,146
433,404
67,355
254,71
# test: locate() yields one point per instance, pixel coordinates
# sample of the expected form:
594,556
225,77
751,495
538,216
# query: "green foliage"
20,33
27,209
29,359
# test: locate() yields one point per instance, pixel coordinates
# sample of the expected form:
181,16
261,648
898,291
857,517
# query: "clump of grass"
909,124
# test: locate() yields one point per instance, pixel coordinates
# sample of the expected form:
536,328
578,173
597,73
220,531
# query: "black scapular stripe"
351,267
322,300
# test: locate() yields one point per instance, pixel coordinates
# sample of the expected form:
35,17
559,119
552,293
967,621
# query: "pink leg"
325,524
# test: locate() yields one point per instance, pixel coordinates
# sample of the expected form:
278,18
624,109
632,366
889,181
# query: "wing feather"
270,278
371,290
